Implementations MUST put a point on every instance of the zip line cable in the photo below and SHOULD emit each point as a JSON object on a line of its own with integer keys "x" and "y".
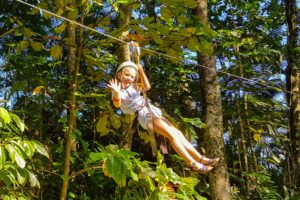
{"x": 156, "y": 52}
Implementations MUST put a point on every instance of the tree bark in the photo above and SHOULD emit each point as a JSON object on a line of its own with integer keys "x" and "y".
{"x": 293, "y": 86}
{"x": 219, "y": 178}
{"x": 244, "y": 149}
{"x": 123, "y": 54}
{"x": 122, "y": 49}
{"x": 73, "y": 64}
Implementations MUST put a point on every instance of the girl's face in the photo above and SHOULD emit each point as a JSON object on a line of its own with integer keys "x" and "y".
{"x": 127, "y": 77}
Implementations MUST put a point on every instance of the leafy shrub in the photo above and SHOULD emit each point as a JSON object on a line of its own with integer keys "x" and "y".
{"x": 17, "y": 175}
{"x": 142, "y": 179}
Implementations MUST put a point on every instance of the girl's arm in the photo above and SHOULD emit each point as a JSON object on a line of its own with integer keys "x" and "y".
{"x": 143, "y": 77}
{"x": 115, "y": 86}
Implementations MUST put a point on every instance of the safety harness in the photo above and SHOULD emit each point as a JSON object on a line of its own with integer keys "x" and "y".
{"x": 135, "y": 52}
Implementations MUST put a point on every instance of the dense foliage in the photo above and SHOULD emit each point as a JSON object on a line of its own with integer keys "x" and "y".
{"x": 249, "y": 39}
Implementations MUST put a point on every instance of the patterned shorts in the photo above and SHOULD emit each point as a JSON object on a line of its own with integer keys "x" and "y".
{"x": 145, "y": 116}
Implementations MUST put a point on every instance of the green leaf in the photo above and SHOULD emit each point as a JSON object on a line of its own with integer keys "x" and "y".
{"x": 166, "y": 12}
{"x": 98, "y": 156}
{"x": 28, "y": 32}
{"x": 28, "y": 148}
{"x": 98, "y": 2}
{"x": 114, "y": 167}
{"x": 195, "y": 122}
{"x": 60, "y": 3}
{"x": 20, "y": 124}
{"x": 275, "y": 158}
{"x": 190, "y": 3}
{"x": 33, "y": 180}
{"x": 37, "y": 46}
{"x": 4, "y": 116}
{"x": 256, "y": 137}
{"x": 19, "y": 158}
{"x": 6, "y": 178}
{"x": 20, "y": 85}
{"x": 115, "y": 121}
{"x": 155, "y": 37}
{"x": 60, "y": 12}
{"x": 56, "y": 52}
{"x": 21, "y": 176}
{"x": 2, "y": 157}
{"x": 172, "y": 52}
{"x": 61, "y": 28}
{"x": 11, "y": 151}
{"x": 205, "y": 47}
{"x": 40, "y": 148}
{"x": 193, "y": 44}
{"x": 101, "y": 125}
{"x": 183, "y": 20}
{"x": 148, "y": 20}
{"x": 73, "y": 13}
{"x": 23, "y": 44}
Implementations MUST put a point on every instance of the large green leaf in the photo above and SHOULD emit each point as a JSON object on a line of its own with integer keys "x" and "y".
{"x": 37, "y": 46}
{"x": 23, "y": 44}
{"x": 40, "y": 148}
{"x": 56, "y": 52}
{"x": 20, "y": 160}
{"x": 60, "y": 3}
{"x": 18, "y": 121}
{"x": 33, "y": 180}
{"x": 4, "y": 116}
{"x": 19, "y": 86}
{"x": 72, "y": 13}
{"x": 101, "y": 126}
{"x": 6, "y": 178}
{"x": 115, "y": 121}
{"x": 28, "y": 32}
{"x": 166, "y": 12}
{"x": 21, "y": 176}
{"x": 114, "y": 167}
{"x": 194, "y": 121}
{"x": 193, "y": 44}
{"x": 2, "y": 157}
{"x": 61, "y": 28}
{"x": 11, "y": 151}
{"x": 98, "y": 156}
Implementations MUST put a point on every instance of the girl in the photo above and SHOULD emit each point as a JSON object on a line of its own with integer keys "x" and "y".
{"x": 127, "y": 96}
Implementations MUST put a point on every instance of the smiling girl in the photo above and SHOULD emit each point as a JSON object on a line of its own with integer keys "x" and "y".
{"x": 127, "y": 96}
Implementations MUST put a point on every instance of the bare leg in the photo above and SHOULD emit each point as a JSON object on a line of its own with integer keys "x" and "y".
{"x": 162, "y": 127}
{"x": 189, "y": 147}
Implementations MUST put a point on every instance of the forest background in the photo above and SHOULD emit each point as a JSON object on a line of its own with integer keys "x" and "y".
{"x": 226, "y": 72}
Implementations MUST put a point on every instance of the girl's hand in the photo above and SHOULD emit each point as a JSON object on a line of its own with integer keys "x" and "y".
{"x": 115, "y": 86}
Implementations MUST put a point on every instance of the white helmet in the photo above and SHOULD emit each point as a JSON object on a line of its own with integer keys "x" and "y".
{"x": 127, "y": 64}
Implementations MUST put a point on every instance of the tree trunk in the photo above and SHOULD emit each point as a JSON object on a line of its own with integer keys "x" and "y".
{"x": 244, "y": 148}
{"x": 293, "y": 99}
{"x": 246, "y": 131}
{"x": 219, "y": 178}
{"x": 123, "y": 54}
{"x": 73, "y": 64}
{"x": 122, "y": 49}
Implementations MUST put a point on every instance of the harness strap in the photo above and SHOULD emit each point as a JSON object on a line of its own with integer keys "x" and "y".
{"x": 151, "y": 131}
{"x": 136, "y": 57}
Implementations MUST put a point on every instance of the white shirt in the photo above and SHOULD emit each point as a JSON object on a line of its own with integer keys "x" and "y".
{"x": 131, "y": 100}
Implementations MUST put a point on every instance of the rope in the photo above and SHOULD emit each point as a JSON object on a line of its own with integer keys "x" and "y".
{"x": 158, "y": 53}
{"x": 71, "y": 21}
